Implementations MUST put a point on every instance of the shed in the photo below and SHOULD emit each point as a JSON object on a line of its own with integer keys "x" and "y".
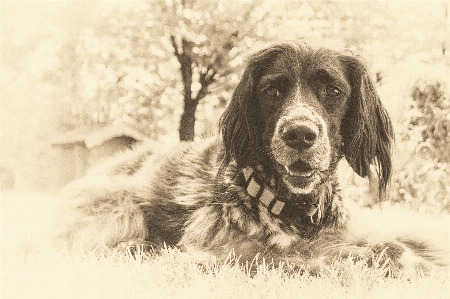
{"x": 83, "y": 147}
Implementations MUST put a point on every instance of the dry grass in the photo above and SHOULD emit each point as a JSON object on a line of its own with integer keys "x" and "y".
{"x": 35, "y": 271}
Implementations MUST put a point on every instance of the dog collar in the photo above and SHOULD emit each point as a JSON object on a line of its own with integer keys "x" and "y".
{"x": 268, "y": 198}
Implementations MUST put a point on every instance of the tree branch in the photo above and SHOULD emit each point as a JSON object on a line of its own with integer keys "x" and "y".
{"x": 175, "y": 47}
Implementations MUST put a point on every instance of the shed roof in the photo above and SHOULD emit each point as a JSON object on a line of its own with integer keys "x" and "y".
{"x": 93, "y": 136}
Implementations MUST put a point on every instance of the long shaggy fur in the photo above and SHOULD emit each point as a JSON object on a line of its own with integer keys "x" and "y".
{"x": 268, "y": 186}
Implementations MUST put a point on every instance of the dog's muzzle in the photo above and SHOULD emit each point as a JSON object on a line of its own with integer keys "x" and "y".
{"x": 301, "y": 147}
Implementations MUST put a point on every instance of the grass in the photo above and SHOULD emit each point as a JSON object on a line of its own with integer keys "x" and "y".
{"x": 36, "y": 271}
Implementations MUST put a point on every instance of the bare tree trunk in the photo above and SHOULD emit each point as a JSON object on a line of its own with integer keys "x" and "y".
{"x": 187, "y": 122}
{"x": 183, "y": 54}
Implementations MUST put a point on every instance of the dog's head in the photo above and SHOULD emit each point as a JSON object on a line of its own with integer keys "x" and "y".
{"x": 298, "y": 110}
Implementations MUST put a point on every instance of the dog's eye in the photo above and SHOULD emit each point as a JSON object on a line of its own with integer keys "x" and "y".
{"x": 273, "y": 92}
{"x": 332, "y": 91}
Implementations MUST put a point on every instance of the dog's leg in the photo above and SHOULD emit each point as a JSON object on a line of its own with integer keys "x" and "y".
{"x": 405, "y": 257}
{"x": 398, "y": 257}
{"x": 99, "y": 212}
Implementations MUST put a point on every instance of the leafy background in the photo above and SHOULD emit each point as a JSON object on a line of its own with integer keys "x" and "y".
{"x": 67, "y": 64}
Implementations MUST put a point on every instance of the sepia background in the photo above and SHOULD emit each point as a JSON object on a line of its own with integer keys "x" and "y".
{"x": 82, "y": 80}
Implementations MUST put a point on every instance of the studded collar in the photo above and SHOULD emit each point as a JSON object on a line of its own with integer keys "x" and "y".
{"x": 267, "y": 196}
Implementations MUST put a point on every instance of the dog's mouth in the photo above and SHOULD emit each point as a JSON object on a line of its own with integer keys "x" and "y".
{"x": 299, "y": 176}
{"x": 299, "y": 169}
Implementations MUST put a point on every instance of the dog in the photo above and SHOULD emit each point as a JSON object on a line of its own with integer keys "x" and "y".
{"x": 268, "y": 186}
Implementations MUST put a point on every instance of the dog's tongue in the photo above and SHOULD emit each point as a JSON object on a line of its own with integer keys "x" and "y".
{"x": 299, "y": 169}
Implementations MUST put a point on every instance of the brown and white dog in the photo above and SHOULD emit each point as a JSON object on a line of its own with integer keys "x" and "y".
{"x": 268, "y": 186}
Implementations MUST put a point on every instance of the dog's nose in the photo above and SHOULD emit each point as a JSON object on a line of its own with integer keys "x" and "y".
{"x": 300, "y": 136}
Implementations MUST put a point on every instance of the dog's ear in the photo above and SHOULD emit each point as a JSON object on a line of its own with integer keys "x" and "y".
{"x": 239, "y": 124}
{"x": 366, "y": 129}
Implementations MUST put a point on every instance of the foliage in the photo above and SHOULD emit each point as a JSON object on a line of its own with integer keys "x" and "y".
{"x": 207, "y": 38}
{"x": 432, "y": 119}
{"x": 148, "y": 63}
{"x": 139, "y": 63}
{"x": 116, "y": 71}
{"x": 104, "y": 62}
{"x": 423, "y": 180}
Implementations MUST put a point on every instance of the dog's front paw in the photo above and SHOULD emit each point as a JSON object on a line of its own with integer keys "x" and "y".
{"x": 399, "y": 260}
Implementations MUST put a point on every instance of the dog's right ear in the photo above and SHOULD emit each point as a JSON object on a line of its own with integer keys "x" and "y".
{"x": 239, "y": 122}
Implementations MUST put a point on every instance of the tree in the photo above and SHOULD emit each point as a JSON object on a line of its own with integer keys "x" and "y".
{"x": 207, "y": 37}
{"x": 117, "y": 71}
{"x": 140, "y": 60}
{"x": 126, "y": 63}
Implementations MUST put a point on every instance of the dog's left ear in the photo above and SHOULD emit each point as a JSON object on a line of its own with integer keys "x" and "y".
{"x": 366, "y": 130}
